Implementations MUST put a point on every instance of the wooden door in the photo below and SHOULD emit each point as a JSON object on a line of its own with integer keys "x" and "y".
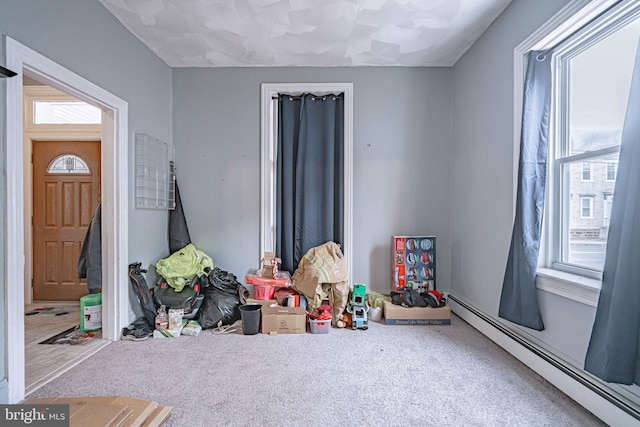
{"x": 66, "y": 192}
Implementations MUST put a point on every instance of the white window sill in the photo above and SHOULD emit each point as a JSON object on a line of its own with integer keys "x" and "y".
{"x": 577, "y": 288}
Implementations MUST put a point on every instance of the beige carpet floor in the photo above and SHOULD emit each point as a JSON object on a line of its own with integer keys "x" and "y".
{"x": 384, "y": 376}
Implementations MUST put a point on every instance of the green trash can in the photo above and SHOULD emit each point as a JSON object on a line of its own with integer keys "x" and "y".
{"x": 91, "y": 312}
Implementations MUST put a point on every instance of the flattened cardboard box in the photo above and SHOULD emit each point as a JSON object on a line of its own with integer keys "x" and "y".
{"x": 110, "y": 411}
{"x": 284, "y": 320}
{"x": 399, "y": 315}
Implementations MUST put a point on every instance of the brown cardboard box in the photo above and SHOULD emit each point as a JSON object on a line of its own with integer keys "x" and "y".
{"x": 262, "y": 302}
{"x": 270, "y": 264}
{"x": 399, "y": 315}
{"x": 284, "y": 320}
{"x": 110, "y": 411}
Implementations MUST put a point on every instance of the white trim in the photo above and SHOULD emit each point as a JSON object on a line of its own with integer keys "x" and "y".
{"x": 267, "y": 184}
{"x": 571, "y": 17}
{"x": 577, "y": 288}
{"x": 592, "y": 401}
{"x": 24, "y": 60}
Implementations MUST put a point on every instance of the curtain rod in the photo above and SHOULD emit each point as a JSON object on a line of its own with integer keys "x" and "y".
{"x": 300, "y": 96}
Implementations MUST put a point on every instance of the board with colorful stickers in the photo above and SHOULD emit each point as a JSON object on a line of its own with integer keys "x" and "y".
{"x": 414, "y": 262}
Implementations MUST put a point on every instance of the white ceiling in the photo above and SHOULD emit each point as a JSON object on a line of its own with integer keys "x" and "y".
{"x": 326, "y": 33}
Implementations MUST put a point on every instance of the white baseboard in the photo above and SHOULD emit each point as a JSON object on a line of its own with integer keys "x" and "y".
{"x": 580, "y": 386}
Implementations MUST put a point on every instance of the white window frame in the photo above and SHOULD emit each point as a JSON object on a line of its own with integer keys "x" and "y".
{"x": 575, "y": 15}
{"x": 268, "y": 141}
{"x": 589, "y": 200}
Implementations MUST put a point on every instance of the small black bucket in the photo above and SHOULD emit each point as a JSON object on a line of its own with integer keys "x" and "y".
{"x": 250, "y": 315}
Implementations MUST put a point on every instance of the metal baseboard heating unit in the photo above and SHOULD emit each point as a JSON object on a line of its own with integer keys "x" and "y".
{"x": 593, "y": 394}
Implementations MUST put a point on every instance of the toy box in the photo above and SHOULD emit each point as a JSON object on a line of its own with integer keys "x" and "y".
{"x": 318, "y": 326}
{"x": 399, "y": 315}
{"x": 414, "y": 262}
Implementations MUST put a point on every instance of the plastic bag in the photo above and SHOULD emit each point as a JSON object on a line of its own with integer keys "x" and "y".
{"x": 222, "y": 300}
{"x": 181, "y": 267}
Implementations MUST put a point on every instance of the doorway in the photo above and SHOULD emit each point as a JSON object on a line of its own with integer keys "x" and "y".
{"x": 62, "y": 146}
{"x": 114, "y": 179}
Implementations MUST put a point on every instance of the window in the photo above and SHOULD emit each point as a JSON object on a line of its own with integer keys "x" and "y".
{"x": 586, "y": 205}
{"x": 612, "y": 170}
{"x": 65, "y": 112}
{"x": 268, "y": 140}
{"x": 68, "y": 163}
{"x": 592, "y": 75}
{"x": 586, "y": 171}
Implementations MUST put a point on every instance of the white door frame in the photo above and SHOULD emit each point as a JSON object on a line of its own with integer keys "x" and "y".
{"x": 268, "y": 118}
{"x": 114, "y": 153}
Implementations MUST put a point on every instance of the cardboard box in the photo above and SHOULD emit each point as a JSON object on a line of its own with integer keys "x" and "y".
{"x": 284, "y": 320}
{"x": 262, "y": 302}
{"x": 414, "y": 263}
{"x": 110, "y": 411}
{"x": 399, "y": 315}
{"x": 270, "y": 264}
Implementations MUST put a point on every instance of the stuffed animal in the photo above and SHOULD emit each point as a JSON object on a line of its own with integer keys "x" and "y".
{"x": 345, "y": 321}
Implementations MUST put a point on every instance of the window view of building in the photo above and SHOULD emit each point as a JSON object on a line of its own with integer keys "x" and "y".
{"x": 591, "y": 88}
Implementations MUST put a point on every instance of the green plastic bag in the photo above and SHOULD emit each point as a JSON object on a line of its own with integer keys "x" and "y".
{"x": 182, "y": 266}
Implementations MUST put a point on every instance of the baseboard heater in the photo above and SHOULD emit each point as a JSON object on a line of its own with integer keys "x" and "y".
{"x": 575, "y": 374}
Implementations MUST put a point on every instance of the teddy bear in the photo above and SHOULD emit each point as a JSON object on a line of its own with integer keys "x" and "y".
{"x": 345, "y": 321}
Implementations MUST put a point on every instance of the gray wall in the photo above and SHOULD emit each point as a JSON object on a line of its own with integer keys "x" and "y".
{"x": 483, "y": 177}
{"x": 401, "y": 160}
{"x": 85, "y": 38}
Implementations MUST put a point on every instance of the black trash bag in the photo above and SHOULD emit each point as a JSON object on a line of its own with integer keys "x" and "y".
{"x": 222, "y": 299}
{"x": 141, "y": 289}
{"x": 223, "y": 281}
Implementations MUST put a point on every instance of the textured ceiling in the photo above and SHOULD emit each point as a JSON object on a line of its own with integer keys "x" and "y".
{"x": 255, "y": 33}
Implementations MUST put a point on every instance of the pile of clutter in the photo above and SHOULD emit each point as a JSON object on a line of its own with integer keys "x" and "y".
{"x": 190, "y": 295}
{"x": 320, "y": 285}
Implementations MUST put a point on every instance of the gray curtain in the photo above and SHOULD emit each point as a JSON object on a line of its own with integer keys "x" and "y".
{"x": 519, "y": 300}
{"x": 178, "y": 231}
{"x": 613, "y": 353}
{"x": 310, "y": 175}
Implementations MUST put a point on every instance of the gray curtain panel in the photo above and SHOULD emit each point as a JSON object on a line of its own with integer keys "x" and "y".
{"x": 519, "y": 300}
{"x": 310, "y": 175}
{"x": 178, "y": 231}
{"x": 613, "y": 353}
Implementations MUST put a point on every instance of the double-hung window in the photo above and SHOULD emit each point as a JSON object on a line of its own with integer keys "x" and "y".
{"x": 592, "y": 72}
